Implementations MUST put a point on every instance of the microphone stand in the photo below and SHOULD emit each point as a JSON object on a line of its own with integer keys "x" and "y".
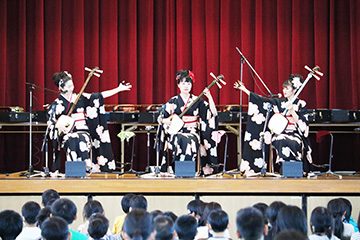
{"x": 31, "y": 172}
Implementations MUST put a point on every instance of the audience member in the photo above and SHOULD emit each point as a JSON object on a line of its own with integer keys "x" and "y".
{"x": 337, "y": 208}
{"x": 48, "y": 197}
{"x": 348, "y": 218}
{"x": 66, "y": 209}
{"x": 164, "y": 228}
{"x": 196, "y": 209}
{"x": 271, "y": 215}
{"x": 170, "y": 214}
{"x": 356, "y": 235}
{"x": 119, "y": 221}
{"x": 43, "y": 214}
{"x": 138, "y": 201}
{"x": 30, "y": 231}
{"x": 90, "y": 207}
{"x": 11, "y": 224}
{"x": 203, "y": 231}
{"x": 291, "y": 218}
{"x": 186, "y": 227}
{"x": 55, "y": 228}
{"x": 322, "y": 225}
{"x": 218, "y": 222}
{"x": 290, "y": 235}
{"x": 137, "y": 225}
{"x": 250, "y": 224}
{"x": 98, "y": 227}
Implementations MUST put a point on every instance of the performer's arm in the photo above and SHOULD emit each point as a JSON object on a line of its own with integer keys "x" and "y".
{"x": 212, "y": 105}
{"x": 108, "y": 93}
{"x": 122, "y": 87}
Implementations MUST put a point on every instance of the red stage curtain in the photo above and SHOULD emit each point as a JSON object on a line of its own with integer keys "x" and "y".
{"x": 146, "y": 41}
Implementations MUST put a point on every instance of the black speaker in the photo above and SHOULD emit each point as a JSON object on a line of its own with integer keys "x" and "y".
{"x": 292, "y": 169}
{"x": 185, "y": 168}
{"x": 75, "y": 169}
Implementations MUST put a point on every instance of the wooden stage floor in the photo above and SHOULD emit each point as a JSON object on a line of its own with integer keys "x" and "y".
{"x": 220, "y": 185}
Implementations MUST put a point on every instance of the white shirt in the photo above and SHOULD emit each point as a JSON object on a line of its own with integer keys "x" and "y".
{"x": 29, "y": 233}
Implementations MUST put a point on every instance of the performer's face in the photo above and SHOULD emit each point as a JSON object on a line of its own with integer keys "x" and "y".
{"x": 185, "y": 87}
{"x": 288, "y": 91}
{"x": 68, "y": 87}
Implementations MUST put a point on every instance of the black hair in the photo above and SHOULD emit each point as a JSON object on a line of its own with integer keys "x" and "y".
{"x": 337, "y": 208}
{"x": 91, "y": 207}
{"x": 290, "y": 234}
{"x": 64, "y": 208}
{"x": 60, "y": 78}
{"x": 196, "y": 206}
{"x": 211, "y": 206}
{"x": 164, "y": 227}
{"x": 49, "y": 196}
{"x": 186, "y": 227}
{"x": 154, "y": 214}
{"x": 291, "y": 217}
{"x": 262, "y": 208}
{"x": 98, "y": 226}
{"x": 137, "y": 224}
{"x": 321, "y": 222}
{"x": 273, "y": 210}
{"x": 289, "y": 81}
{"x": 43, "y": 214}
{"x": 218, "y": 220}
{"x": 11, "y": 224}
{"x": 125, "y": 202}
{"x": 55, "y": 228}
{"x": 184, "y": 76}
{"x": 250, "y": 223}
{"x": 170, "y": 214}
{"x": 29, "y": 211}
{"x": 348, "y": 209}
{"x": 138, "y": 201}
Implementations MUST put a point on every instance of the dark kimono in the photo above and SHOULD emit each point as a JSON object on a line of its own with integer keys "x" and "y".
{"x": 291, "y": 145}
{"x": 199, "y": 129}
{"x": 89, "y": 141}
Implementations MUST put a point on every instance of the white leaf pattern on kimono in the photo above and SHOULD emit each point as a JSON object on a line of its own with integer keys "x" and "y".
{"x": 247, "y": 136}
{"x": 83, "y": 147}
{"x": 96, "y": 143}
{"x": 207, "y": 145}
{"x": 213, "y": 152}
{"x": 182, "y": 157}
{"x": 188, "y": 150}
{"x": 267, "y": 137}
{"x": 111, "y": 165}
{"x": 255, "y": 144}
{"x": 212, "y": 123}
{"x": 258, "y": 118}
{"x": 286, "y": 151}
{"x": 96, "y": 103}
{"x": 91, "y": 112}
{"x": 59, "y": 109}
{"x": 259, "y": 162}
{"x": 102, "y": 160}
{"x": 252, "y": 109}
{"x": 73, "y": 155}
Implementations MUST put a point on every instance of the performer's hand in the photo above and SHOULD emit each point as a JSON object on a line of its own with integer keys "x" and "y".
{"x": 124, "y": 86}
{"x": 240, "y": 85}
{"x": 207, "y": 93}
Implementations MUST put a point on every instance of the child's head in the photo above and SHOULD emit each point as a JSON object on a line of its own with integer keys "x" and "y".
{"x": 29, "y": 211}
{"x": 98, "y": 226}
